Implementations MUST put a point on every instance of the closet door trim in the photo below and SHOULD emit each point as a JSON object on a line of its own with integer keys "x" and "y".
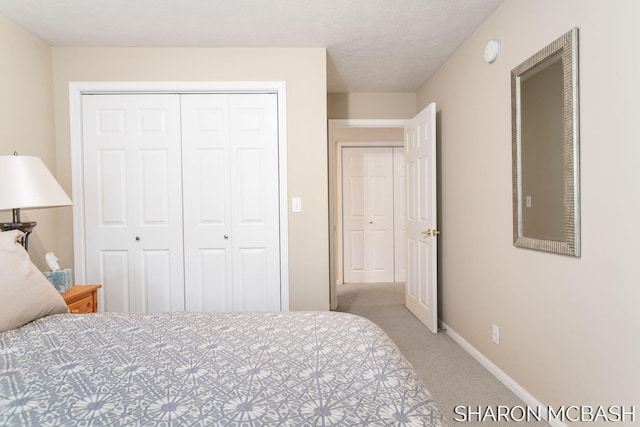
{"x": 78, "y": 89}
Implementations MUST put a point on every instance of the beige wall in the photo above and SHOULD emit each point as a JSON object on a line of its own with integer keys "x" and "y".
{"x": 399, "y": 105}
{"x": 303, "y": 70}
{"x": 569, "y": 326}
{"x": 26, "y": 126}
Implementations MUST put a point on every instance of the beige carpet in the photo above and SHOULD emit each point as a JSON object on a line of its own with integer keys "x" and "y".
{"x": 452, "y": 376}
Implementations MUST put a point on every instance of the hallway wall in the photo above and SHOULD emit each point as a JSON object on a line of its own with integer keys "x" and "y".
{"x": 569, "y": 326}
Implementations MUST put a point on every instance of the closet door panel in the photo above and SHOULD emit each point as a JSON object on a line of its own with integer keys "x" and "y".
{"x": 207, "y": 203}
{"x": 132, "y": 199}
{"x": 210, "y": 168}
{"x": 114, "y": 267}
{"x": 154, "y": 188}
{"x": 355, "y": 207}
{"x": 155, "y": 281}
{"x": 380, "y": 196}
{"x": 231, "y": 208}
{"x": 250, "y": 208}
{"x": 212, "y": 274}
{"x": 254, "y": 197}
{"x": 251, "y": 287}
{"x": 112, "y": 188}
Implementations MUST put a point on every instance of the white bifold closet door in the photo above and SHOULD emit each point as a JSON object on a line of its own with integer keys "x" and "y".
{"x": 368, "y": 214}
{"x": 231, "y": 213}
{"x": 181, "y": 201}
{"x": 133, "y": 200}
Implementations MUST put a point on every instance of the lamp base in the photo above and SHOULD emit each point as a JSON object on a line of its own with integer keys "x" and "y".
{"x": 25, "y": 227}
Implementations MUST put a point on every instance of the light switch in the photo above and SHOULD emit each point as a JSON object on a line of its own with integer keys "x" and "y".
{"x": 296, "y": 204}
{"x": 528, "y": 201}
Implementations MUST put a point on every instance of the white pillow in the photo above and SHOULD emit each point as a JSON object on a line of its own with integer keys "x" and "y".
{"x": 25, "y": 294}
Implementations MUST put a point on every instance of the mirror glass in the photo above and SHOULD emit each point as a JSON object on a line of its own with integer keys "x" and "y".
{"x": 544, "y": 93}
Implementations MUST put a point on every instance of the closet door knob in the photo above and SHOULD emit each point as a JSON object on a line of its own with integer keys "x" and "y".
{"x": 226, "y": 236}
{"x": 137, "y": 238}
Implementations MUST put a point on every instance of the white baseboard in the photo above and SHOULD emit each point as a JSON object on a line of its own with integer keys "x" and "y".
{"x": 505, "y": 379}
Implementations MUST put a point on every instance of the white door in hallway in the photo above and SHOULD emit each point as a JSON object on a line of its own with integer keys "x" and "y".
{"x": 421, "y": 296}
{"x": 368, "y": 212}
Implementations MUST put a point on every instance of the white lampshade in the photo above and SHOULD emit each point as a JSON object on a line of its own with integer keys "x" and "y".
{"x": 25, "y": 182}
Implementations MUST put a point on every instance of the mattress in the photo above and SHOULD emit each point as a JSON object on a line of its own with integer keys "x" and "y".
{"x": 208, "y": 369}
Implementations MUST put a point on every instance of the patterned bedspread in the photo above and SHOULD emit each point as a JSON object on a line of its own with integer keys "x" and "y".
{"x": 208, "y": 369}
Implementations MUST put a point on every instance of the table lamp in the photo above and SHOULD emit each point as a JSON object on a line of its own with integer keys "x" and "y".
{"x": 26, "y": 183}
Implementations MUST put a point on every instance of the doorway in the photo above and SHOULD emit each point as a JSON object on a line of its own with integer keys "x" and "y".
{"x": 354, "y": 133}
{"x": 419, "y": 136}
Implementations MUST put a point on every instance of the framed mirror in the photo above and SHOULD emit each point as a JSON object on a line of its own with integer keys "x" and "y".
{"x": 545, "y": 146}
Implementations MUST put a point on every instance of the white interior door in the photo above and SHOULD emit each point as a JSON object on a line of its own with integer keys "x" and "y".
{"x": 132, "y": 200}
{"x": 231, "y": 202}
{"x": 421, "y": 296}
{"x": 368, "y": 212}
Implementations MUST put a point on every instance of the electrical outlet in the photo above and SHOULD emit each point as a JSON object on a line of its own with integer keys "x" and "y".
{"x": 495, "y": 334}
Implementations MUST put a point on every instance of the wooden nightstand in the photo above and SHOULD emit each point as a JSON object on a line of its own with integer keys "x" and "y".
{"x": 82, "y": 299}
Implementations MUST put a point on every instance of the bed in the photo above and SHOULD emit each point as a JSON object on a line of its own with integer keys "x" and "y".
{"x": 203, "y": 369}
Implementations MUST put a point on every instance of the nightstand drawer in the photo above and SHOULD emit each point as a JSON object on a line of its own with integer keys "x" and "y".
{"x": 84, "y": 305}
{"x": 82, "y": 299}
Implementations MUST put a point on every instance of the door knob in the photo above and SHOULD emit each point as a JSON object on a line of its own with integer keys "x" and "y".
{"x": 226, "y": 236}
{"x": 429, "y": 232}
{"x": 137, "y": 238}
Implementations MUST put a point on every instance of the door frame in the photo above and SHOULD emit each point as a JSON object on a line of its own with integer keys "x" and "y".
{"x": 78, "y": 89}
{"x": 333, "y": 167}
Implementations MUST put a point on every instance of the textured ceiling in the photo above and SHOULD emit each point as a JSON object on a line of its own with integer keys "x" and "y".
{"x": 372, "y": 45}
